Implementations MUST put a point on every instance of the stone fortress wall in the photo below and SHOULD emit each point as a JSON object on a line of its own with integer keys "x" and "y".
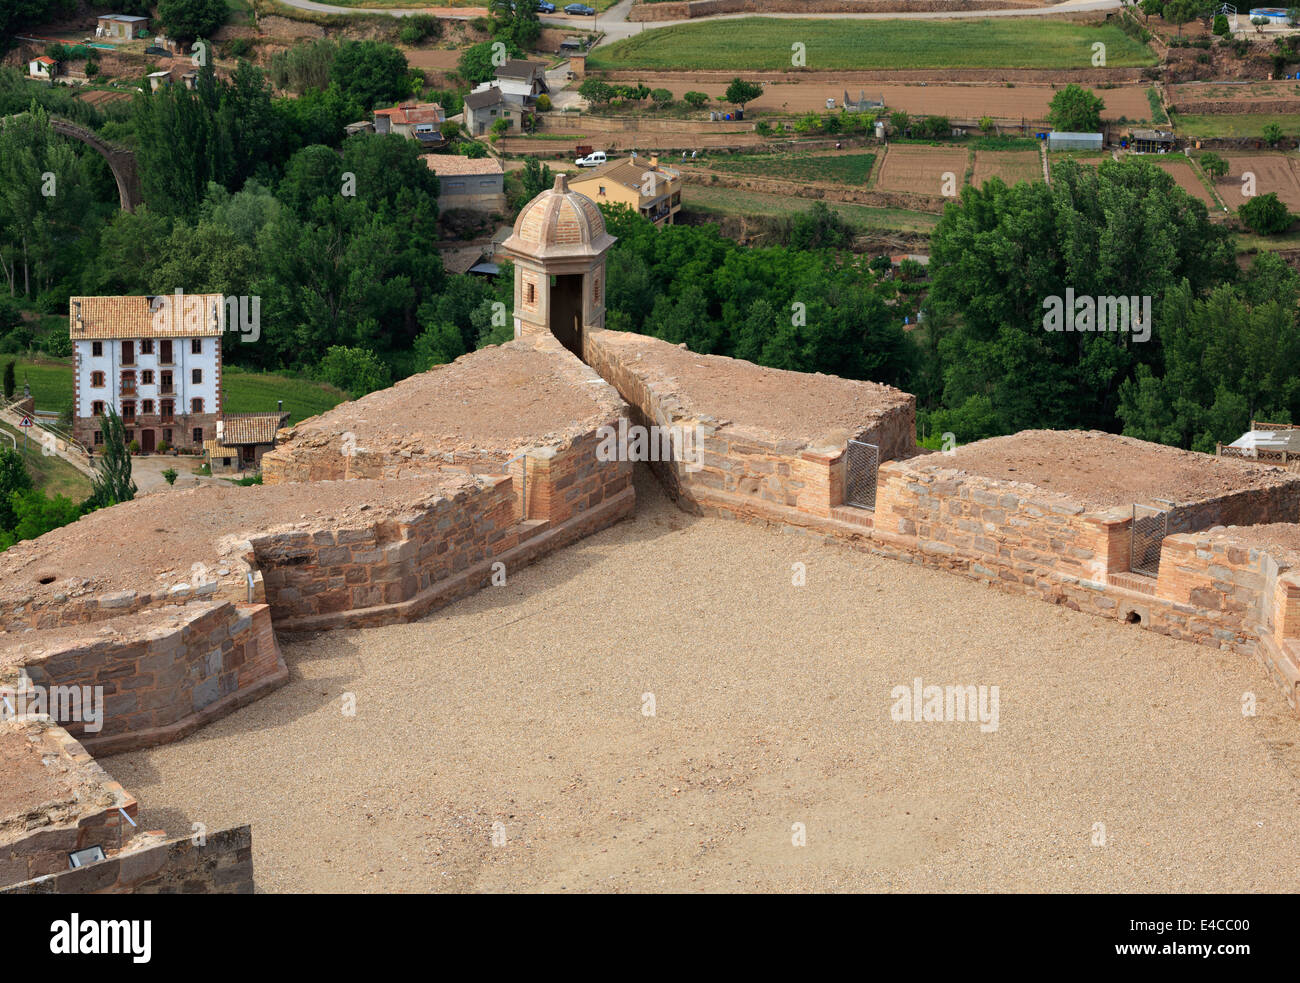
{"x": 389, "y": 506}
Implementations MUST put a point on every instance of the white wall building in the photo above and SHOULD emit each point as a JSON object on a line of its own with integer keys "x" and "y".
{"x": 155, "y": 360}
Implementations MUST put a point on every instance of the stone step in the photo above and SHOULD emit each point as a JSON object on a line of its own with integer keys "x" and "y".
{"x": 856, "y": 517}
{"x": 1136, "y": 582}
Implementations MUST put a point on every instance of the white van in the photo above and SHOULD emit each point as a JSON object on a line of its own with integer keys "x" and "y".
{"x": 593, "y": 159}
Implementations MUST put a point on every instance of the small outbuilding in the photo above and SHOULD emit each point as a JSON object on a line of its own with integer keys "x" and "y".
{"x": 42, "y": 68}
{"x": 1152, "y": 141}
{"x": 242, "y": 439}
{"x": 1063, "y": 140}
{"x": 122, "y": 27}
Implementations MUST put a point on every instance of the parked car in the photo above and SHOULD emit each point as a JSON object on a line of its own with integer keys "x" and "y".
{"x": 593, "y": 159}
{"x": 545, "y": 7}
{"x": 580, "y": 8}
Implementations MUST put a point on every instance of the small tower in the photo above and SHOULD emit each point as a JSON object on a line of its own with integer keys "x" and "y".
{"x": 558, "y": 247}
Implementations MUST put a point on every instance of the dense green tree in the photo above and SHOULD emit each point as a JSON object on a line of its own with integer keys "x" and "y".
{"x": 1000, "y": 255}
{"x": 516, "y": 23}
{"x": 9, "y": 382}
{"x": 305, "y": 67}
{"x": 46, "y": 203}
{"x": 354, "y": 370}
{"x": 17, "y": 14}
{"x": 1075, "y": 109}
{"x": 740, "y": 92}
{"x": 1226, "y": 358}
{"x": 371, "y": 73}
{"x": 35, "y": 515}
{"x": 14, "y": 479}
{"x": 1213, "y": 165}
{"x": 131, "y": 245}
{"x": 190, "y": 19}
{"x": 1266, "y": 214}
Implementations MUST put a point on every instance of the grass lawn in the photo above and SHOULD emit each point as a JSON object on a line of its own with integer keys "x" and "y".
{"x": 245, "y": 392}
{"x": 851, "y": 169}
{"x": 51, "y": 380}
{"x": 756, "y": 43}
{"x": 1235, "y": 125}
{"x": 729, "y": 201}
{"x": 51, "y": 475}
{"x": 257, "y": 392}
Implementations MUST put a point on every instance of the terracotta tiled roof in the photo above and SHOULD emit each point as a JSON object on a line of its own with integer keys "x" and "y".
{"x": 250, "y": 428}
{"x": 630, "y": 172}
{"x": 195, "y": 316}
{"x": 45, "y": 61}
{"x": 454, "y": 164}
{"x": 214, "y": 449}
{"x": 425, "y": 112}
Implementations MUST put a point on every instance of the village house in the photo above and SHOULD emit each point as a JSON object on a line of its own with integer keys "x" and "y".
{"x": 463, "y": 182}
{"x": 42, "y": 68}
{"x": 487, "y": 104}
{"x": 521, "y": 81}
{"x": 242, "y": 439}
{"x": 641, "y": 183}
{"x": 121, "y": 27}
{"x": 415, "y": 121}
{"x": 156, "y": 361}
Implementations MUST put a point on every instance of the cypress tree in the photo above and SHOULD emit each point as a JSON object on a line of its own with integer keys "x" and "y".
{"x": 113, "y": 484}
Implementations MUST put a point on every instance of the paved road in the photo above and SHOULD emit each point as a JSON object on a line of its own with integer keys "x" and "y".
{"x": 615, "y": 24}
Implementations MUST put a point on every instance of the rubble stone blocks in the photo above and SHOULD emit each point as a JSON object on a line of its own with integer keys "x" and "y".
{"x": 153, "y": 864}
{"x": 54, "y": 799}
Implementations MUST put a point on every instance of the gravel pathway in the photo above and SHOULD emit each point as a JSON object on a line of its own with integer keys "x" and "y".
{"x": 523, "y": 706}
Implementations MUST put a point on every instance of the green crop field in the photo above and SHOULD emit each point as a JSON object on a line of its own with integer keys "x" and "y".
{"x": 756, "y": 43}
{"x": 255, "y": 392}
{"x": 851, "y": 169}
{"x": 245, "y": 392}
{"x": 1234, "y": 125}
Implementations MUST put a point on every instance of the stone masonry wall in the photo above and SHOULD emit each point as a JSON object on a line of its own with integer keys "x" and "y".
{"x": 399, "y": 570}
{"x": 1005, "y": 530}
{"x": 166, "y": 681}
{"x": 330, "y": 571}
{"x": 1248, "y": 507}
{"x": 222, "y": 865}
{"x": 742, "y": 472}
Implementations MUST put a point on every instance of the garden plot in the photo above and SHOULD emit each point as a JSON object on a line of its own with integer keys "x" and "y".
{"x": 1187, "y": 178}
{"x": 1273, "y": 172}
{"x": 921, "y": 170}
{"x": 1012, "y": 166}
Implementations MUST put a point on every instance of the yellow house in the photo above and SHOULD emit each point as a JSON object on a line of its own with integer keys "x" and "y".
{"x": 638, "y": 182}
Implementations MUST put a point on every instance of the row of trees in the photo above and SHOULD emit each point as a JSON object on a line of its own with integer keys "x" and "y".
{"x": 1222, "y": 346}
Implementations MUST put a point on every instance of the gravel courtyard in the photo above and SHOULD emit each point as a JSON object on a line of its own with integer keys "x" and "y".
{"x": 523, "y": 705}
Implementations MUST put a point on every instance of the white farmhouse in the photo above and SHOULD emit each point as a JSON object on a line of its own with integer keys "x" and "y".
{"x": 155, "y": 360}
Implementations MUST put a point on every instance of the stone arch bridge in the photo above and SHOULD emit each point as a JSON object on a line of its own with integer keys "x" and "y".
{"x": 121, "y": 161}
